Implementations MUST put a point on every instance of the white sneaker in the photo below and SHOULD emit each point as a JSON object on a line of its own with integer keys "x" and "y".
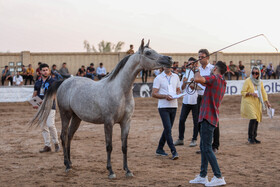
{"x": 216, "y": 182}
{"x": 193, "y": 143}
{"x": 199, "y": 180}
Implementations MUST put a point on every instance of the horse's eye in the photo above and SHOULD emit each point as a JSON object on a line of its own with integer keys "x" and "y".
{"x": 148, "y": 53}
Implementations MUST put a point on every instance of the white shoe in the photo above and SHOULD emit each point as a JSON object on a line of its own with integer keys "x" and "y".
{"x": 193, "y": 143}
{"x": 216, "y": 182}
{"x": 199, "y": 180}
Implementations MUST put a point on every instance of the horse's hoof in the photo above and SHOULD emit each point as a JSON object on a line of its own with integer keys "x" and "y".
{"x": 129, "y": 174}
{"x": 112, "y": 176}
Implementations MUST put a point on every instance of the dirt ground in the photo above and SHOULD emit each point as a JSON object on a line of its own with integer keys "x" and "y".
{"x": 241, "y": 164}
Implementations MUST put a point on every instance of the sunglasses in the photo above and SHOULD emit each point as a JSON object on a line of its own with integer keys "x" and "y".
{"x": 255, "y": 73}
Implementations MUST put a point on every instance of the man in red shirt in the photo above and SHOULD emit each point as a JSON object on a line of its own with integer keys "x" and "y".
{"x": 209, "y": 118}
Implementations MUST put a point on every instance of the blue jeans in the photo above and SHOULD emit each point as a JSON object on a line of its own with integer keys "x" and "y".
{"x": 184, "y": 115}
{"x": 90, "y": 75}
{"x": 207, "y": 154}
{"x": 167, "y": 116}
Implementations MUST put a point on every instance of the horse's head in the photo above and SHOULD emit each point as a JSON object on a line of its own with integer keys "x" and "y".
{"x": 150, "y": 59}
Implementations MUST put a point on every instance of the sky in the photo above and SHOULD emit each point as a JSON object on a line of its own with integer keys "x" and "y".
{"x": 172, "y": 26}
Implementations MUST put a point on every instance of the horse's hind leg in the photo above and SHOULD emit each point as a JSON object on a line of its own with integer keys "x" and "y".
{"x": 108, "y": 128}
{"x": 124, "y": 134}
{"x": 65, "y": 119}
{"x": 74, "y": 125}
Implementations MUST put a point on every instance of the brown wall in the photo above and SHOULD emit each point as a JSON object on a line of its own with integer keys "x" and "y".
{"x": 75, "y": 60}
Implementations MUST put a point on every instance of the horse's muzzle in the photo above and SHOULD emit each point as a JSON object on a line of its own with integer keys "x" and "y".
{"x": 166, "y": 61}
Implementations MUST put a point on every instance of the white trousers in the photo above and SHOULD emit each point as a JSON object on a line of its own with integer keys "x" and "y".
{"x": 49, "y": 130}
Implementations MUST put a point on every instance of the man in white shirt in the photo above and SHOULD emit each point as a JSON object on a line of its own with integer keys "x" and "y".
{"x": 18, "y": 80}
{"x": 189, "y": 104}
{"x": 205, "y": 70}
{"x": 165, "y": 85}
{"x": 100, "y": 71}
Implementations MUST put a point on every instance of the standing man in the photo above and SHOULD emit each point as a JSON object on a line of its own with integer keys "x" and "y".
{"x": 189, "y": 104}
{"x": 48, "y": 129}
{"x": 209, "y": 118}
{"x": 165, "y": 85}
{"x": 205, "y": 70}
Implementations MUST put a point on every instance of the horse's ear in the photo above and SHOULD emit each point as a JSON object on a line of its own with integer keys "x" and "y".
{"x": 141, "y": 48}
{"x": 147, "y": 45}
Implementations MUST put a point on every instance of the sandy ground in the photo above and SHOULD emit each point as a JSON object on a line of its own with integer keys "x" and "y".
{"x": 241, "y": 164}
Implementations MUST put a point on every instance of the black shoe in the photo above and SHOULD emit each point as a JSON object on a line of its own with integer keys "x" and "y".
{"x": 198, "y": 152}
{"x": 250, "y": 141}
{"x": 175, "y": 155}
{"x": 161, "y": 153}
{"x": 257, "y": 141}
{"x": 45, "y": 149}
{"x": 56, "y": 147}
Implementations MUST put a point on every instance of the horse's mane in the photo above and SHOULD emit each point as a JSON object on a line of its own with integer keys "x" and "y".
{"x": 111, "y": 76}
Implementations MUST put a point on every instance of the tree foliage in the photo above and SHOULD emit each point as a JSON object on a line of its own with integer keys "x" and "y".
{"x": 104, "y": 47}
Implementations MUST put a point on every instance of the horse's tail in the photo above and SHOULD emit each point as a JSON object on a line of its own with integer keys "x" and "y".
{"x": 43, "y": 112}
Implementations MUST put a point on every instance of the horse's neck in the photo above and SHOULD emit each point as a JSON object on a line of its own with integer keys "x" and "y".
{"x": 128, "y": 74}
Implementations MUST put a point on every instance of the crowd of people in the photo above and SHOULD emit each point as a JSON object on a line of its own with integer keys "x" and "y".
{"x": 29, "y": 75}
{"x": 204, "y": 101}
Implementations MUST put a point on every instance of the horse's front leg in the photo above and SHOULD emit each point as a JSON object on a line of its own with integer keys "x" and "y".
{"x": 125, "y": 126}
{"x": 108, "y": 128}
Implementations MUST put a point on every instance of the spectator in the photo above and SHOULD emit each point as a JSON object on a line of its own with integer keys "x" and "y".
{"x": 263, "y": 72}
{"x": 101, "y": 71}
{"x": 270, "y": 71}
{"x": 91, "y": 71}
{"x": 38, "y": 73}
{"x": 18, "y": 80}
{"x": 175, "y": 67}
{"x": 183, "y": 68}
{"x": 64, "y": 71}
{"x": 55, "y": 73}
{"x": 233, "y": 69}
{"x": 82, "y": 71}
{"x": 23, "y": 72}
{"x": 242, "y": 70}
{"x": 29, "y": 74}
{"x": 278, "y": 71}
{"x": 214, "y": 63}
{"x": 158, "y": 71}
{"x": 130, "y": 51}
{"x": 6, "y": 75}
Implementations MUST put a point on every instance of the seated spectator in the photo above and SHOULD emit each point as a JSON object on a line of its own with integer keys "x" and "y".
{"x": 263, "y": 72}
{"x": 101, "y": 71}
{"x": 242, "y": 70}
{"x": 6, "y": 75}
{"x": 130, "y": 51}
{"x": 55, "y": 73}
{"x": 278, "y": 71}
{"x": 90, "y": 71}
{"x": 29, "y": 74}
{"x": 64, "y": 71}
{"x": 270, "y": 71}
{"x": 18, "y": 80}
{"x": 23, "y": 72}
{"x": 183, "y": 68}
{"x": 81, "y": 72}
{"x": 38, "y": 72}
{"x": 233, "y": 70}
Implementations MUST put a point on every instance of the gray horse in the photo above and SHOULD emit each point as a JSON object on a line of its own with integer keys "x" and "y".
{"x": 107, "y": 101}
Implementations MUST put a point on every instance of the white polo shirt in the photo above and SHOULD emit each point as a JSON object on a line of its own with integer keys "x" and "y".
{"x": 167, "y": 84}
{"x": 204, "y": 72}
{"x": 189, "y": 99}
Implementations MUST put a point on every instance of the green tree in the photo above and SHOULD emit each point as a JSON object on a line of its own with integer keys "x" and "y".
{"x": 104, "y": 47}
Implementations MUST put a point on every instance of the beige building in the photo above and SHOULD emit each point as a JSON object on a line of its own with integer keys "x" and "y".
{"x": 75, "y": 60}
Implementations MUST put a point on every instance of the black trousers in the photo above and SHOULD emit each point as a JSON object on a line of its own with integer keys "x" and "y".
{"x": 29, "y": 77}
{"x": 216, "y": 136}
{"x": 4, "y": 78}
{"x": 253, "y": 129}
{"x": 144, "y": 76}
